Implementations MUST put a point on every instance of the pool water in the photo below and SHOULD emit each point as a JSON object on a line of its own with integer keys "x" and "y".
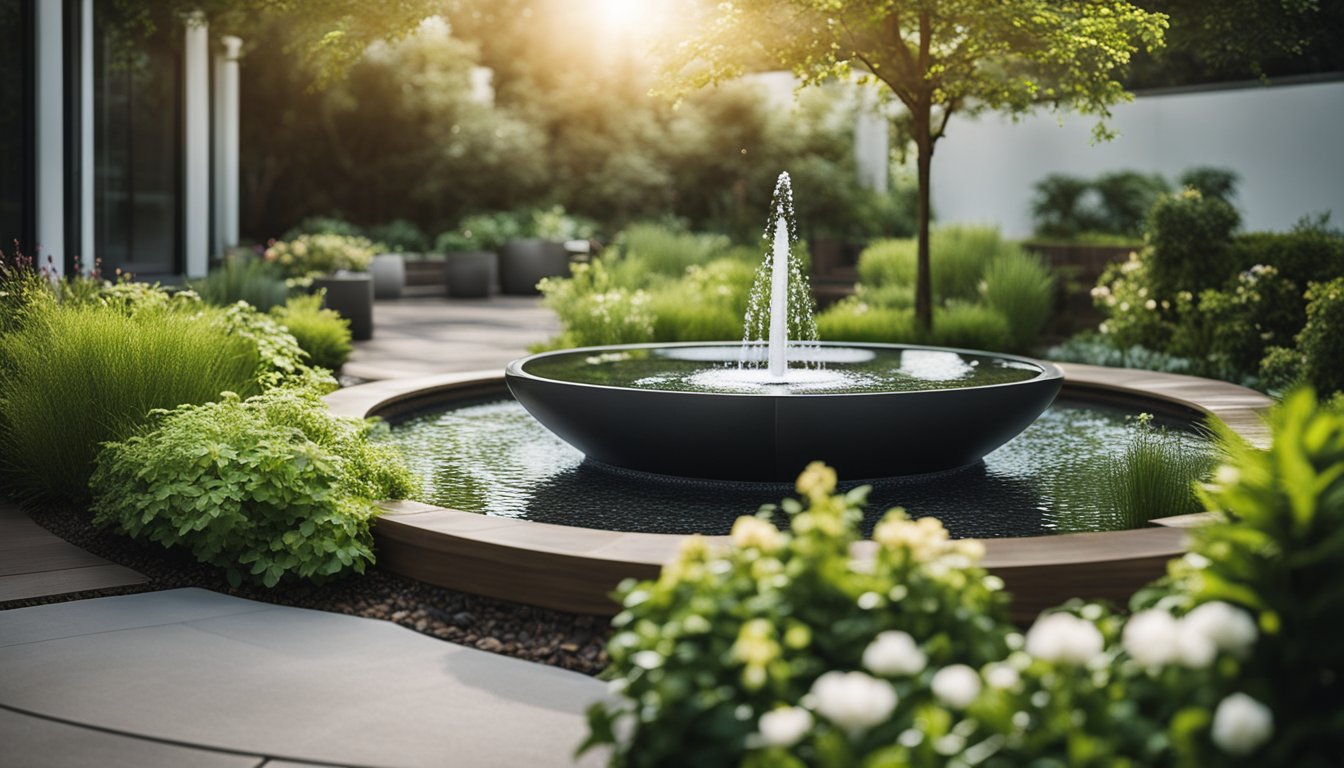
{"x": 493, "y": 458}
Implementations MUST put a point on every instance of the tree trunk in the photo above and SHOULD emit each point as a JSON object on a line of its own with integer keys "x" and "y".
{"x": 923, "y": 161}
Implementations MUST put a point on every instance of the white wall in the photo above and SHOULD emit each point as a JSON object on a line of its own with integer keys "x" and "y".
{"x": 1285, "y": 141}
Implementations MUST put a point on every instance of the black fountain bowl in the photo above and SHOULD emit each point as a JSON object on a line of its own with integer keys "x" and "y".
{"x": 771, "y": 438}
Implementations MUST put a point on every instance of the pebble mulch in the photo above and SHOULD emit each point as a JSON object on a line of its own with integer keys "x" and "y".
{"x": 559, "y": 639}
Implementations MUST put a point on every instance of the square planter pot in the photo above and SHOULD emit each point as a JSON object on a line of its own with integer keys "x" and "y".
{"x": 351, "y": 295}
{"x": 524, "y": 262}
{"x": 470, "y": 274}
{"x": 388, "y": 271}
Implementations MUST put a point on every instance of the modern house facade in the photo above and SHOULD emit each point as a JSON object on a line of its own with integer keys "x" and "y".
{"x": 115, "y": 149}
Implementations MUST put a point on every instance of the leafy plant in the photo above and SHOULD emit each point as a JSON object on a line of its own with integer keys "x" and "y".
{"x": 594, "y": 310}
{"x": 968, "y": 325}
{"x": 1020, "y": 287}
{"x": 266, "y": 488}
{"x": 655, "y": 250}
{"x": 1060, "y": 207}
{"x": 1211, "y": 182}
{"x": 1189, "y": 238}
{"x": 1125, "y": 199}
{"x": 322, "y": 333}
{"x": 308, "y": 255}
{"x": 323, "y": 225}
{"x": 398, "y": 236}
{"x": 1278, "y": 557}
{"x": 76, "y": 376}
{"x": 480, "y": 232}
{"x": 242, "y": 277}
{"x": 854, "y": 319}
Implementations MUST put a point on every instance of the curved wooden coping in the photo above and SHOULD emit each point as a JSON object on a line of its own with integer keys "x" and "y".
{"x": 575, "y": 569}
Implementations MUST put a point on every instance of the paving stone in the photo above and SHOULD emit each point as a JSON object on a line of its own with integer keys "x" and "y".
{"x": 34, "y": 742}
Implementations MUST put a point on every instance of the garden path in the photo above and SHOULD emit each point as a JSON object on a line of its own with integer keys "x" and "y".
{"x": 37, "y": 563}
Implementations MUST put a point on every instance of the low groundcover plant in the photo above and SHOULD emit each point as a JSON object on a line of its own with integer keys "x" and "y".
{"x": 267, "y": 487}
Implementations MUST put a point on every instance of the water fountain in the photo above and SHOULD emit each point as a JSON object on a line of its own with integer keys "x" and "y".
{"x": 761, "y": 410}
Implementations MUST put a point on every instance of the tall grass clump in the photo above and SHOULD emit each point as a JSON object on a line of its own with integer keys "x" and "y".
{"x": 854, "y": 320}
{"x": 958, "y": 257}
{"x": 970, "y": 326}
{"x": 655, "y": 250}
{"x": 1156, "y": 477}
{"x": 322, "y": 333}
{"x": 243, "y": 278}
{"x": 76, "y": 376}
{"x": 1021, "y": 288}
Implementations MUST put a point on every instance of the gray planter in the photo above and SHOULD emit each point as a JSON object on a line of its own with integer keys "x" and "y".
{"x": 351, "y": 295}
{"x": 470, "y": 274}
{"x": 524, "y": 262}
{"x": 388, "y": 271}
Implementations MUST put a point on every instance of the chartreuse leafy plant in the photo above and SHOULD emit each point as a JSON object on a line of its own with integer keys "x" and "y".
{"x": 322, "y": 333}
{"x": 267, "y": 488}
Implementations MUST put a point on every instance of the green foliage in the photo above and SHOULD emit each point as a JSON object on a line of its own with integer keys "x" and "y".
{"x": 1156, "y": 477}
{"x": 854, "y": 319}
{"x": 960, "y": 255}
{"x": 266, "y": 488}
{"x": 398, "y": 236}
{"x": 1126, "y": 198}
{"x": 1322, "y": 338}
{"x": 1189, "y": 238}
{"x": 322, "y": 333}
{"x": 556, "y": 225}
{"x": 1020, "y": 287}
{"x": 241, "y": 277}
{"x": 970, "y": 326}
{"x": 1220, "y": 183}
{"x": 309, "y": 255}
{"x": 74, "y": 377}
{"x": 1278, "y": 556}
{"x": 657, "y": 250}
{"x": 594, "y": 310}
{"x": 727, "y": 634}
{"x": 1068, "y": 207}
{"x": 480, "y": 232}
{"x": 1059, "y": 207}
{"x": 323, "y": 225}
{"x": 24, "y": 290}
{"x": 1092, "y": 348}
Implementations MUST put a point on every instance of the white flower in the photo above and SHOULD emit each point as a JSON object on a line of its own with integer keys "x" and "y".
{"x": 1241, "y": 724}
{"x": 1193, "y": 648}
{"x": 1228, "y": 627}
{"x": 956, "y": 685}
{"x": 1002, "y": 675}
{"x": 783, "y": 727}
{"x": 1150, "y": 637}
{"x": 755, "y": 532}
{"x": 1063, "y": 637}
{"x": 853, "y": 700}
{"x": 894, "y": 653}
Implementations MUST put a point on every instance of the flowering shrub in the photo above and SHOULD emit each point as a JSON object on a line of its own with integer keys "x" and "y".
{"x": 309, "y": 255}
{"x": 811, "y": 648}
{"x": 594, "y": 310}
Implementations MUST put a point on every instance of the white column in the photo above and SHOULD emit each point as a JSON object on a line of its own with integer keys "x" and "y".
{"x": 226, "y": 145}
{"x": 50, "y": 122}
{"x": 87, "y": 164}
{"x": 196, "y": 144}
{"x": 872, "y": 152}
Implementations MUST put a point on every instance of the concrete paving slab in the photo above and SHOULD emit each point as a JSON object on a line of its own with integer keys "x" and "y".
{"x": 34, "y": 742}
{"x": 289, "y": 684}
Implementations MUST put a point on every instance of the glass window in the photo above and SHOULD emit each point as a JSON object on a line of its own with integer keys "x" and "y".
{"x": 138, "y": 137}
{"x": 16, "y": 150}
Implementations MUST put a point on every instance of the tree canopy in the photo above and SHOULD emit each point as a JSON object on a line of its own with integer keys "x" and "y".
{"x": 937, "y": 57}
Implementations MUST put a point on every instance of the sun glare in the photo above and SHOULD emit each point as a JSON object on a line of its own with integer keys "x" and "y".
{"x": 619, "y": 16}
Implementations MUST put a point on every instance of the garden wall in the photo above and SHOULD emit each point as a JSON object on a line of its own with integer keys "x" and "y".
{"x": 1283, "y": 140}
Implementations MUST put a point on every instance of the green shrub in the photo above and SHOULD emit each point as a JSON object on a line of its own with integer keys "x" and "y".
{"x": 398, "y": 236}
{"x": 1060, "y": 208}
{"x": 594, "y": 311}
{"x": 556, "y": 225}
{"x": 1156, "y": 476}
{"x": 1189, "y": 239}
{"x": 1211, "y": 182}
{"x": 886, "y": 296}
{"x": 1091, "y": 348}
{"x": 970, "y": 326}
{"x": 1278, "y": 556}
{"x": 708, "y": 304}
{"x": 480, "y": 232}
{"x": 266, "y": 488}
{"x": 24, "y": 291}
{"x": 1021, "y": 288}
{"x": 1231, "y": 329}
{"x": 958, "y": 257}
{"x": 727, "y": 634}
{"x": 1322, "y": 338}
{"x": 1309, "y": 253}
{"x": 323, "y": 225}
{"x": 1126, "y": 198}
{"x": 77, "y": 376}
{"x": 853, "y": 319}
{"x": 322, "y": 333}
{"x": 655, "y": 249}
{"x": 309, "y": 255}
{"x": 240, "y": 277}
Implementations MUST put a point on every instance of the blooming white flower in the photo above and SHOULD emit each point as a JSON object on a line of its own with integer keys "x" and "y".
{"x": 1150, "y": 637}
{"x": 894, "y": 653}
{"x": 853, "y": 700}
{"x": 1002, "y": 675}
{"x": 956, "y": 685}
{"x": 783, "y": 727}
{"x": 1063, "y": 637}
{"x": 755, "y": 532}
{"x": 1241, "y": 724}
{"x": 1229, "y": 628}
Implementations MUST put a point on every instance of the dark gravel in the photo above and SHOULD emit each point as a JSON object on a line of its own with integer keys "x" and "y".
{"x": 559, "y": 639}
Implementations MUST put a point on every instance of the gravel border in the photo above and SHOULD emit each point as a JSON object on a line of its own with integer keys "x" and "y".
{"x": 569, "y": 641}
